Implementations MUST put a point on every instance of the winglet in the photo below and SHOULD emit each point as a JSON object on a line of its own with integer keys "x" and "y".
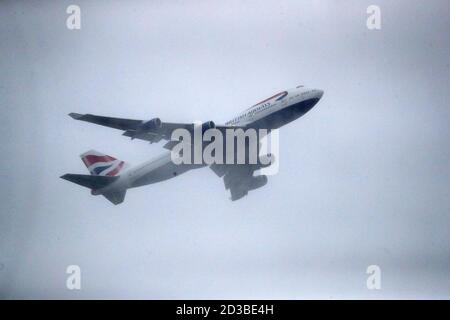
{"x": 76, "y": 116}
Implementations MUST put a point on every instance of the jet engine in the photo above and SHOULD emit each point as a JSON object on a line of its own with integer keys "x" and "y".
{"x": 208, "y": 125}
{"x": 149, "y": 125}
{"x": 205, "y": 126}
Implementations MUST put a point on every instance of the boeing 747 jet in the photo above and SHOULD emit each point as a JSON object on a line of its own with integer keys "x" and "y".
{"x": 111, "y": 177}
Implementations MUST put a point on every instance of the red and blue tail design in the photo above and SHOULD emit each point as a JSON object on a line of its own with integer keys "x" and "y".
{"x": 100, "y": 164}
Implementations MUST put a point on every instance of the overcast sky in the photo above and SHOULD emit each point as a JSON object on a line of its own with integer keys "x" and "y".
{"x": 364, "y": 176}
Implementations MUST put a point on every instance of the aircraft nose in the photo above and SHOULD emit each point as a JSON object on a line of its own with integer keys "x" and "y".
{"x": 319, "y": 93}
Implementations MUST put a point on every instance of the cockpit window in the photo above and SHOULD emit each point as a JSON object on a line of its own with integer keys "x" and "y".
{"x": 300, "y": 86}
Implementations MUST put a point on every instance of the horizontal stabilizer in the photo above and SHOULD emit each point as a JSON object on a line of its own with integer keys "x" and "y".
{"x": 88, "y": 181}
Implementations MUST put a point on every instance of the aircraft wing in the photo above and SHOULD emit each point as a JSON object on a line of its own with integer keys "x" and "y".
{"x": 136, "y": 129}
{"x": 152, "y": 130}
{"x": 239, "y": 179}
{"x": 165, "y": 132}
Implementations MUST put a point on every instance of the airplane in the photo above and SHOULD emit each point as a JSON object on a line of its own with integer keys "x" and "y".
{"x": 111, "y": 177}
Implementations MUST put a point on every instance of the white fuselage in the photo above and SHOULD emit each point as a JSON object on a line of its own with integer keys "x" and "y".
{"x": 274, "y": 104}
{"x": 271, "y": 113}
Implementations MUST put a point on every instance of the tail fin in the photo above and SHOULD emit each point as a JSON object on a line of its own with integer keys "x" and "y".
{"x": 100, "y": 164}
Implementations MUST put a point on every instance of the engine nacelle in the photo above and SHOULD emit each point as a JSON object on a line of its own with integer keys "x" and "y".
{"x": 208, "y": 125}
{"x": 205, "y": 126}
{"x": 152, "y": 124}
{"x": 257, "y": 182}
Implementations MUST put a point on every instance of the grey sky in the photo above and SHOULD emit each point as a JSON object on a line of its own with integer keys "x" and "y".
{"x": 364, "y": 177}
